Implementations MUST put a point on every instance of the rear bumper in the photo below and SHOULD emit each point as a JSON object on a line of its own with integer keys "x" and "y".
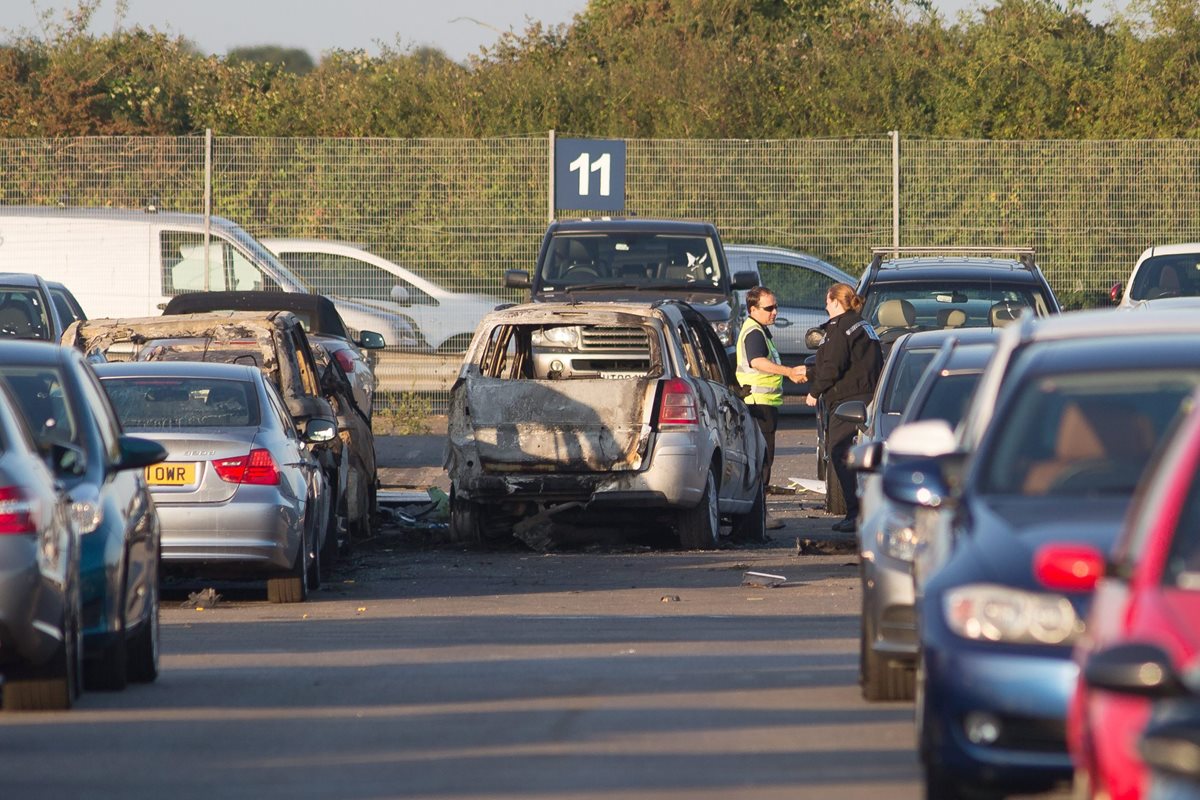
{"x": 252, "y": 533}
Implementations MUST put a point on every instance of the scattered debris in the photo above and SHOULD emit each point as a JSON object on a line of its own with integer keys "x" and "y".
{"x": 670, "y": 598}
{"x": 806, "y": 485}
{"x": 763, "y": 579}
{"x": 205, "y": 598}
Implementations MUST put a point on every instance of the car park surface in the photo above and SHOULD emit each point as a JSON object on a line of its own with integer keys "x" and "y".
{"x": 101, "y": 469}
{"x": 238, "y": 492}
{"x": 572, "y": 413}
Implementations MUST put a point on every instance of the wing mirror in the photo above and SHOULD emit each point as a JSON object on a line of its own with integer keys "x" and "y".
{"x": 746, "y": 279}
{"x": 319, "y": 429}
{"x": 138, "y": 453}
{"x": 854, "y": 411}
{"x": 371, "y": 340}
{"x": 516, "y": 278}
{"x": 1143, "y": 670}
{"x": 865, "y": 457}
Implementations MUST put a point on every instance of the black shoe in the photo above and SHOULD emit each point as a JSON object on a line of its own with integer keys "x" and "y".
{"x": 848, "y": 525}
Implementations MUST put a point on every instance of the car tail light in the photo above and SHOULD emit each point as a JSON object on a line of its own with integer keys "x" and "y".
{"x": 677, "y": 405}
{"x": 257, "y": 468}
{"x": 15, "y": 511}
{"x": 1068, "y": 567}
{"x": 346, "y": 360}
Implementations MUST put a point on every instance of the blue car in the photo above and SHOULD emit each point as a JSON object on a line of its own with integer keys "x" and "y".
{"x": 1000, "y": 590}
{"x": 74, "y": 424}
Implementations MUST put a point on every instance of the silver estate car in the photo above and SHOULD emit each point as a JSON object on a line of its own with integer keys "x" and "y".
{"x": 595, "y": 413}
{"x": 239, "y": 493}
{"x": 41, "y": 645}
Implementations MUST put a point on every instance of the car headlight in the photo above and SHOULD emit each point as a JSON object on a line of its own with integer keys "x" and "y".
{"x": 992, "y": 613}
{"x": 86, "y": 511}
{"x": 561, "y": 337}
{"x": 898, "y": 536}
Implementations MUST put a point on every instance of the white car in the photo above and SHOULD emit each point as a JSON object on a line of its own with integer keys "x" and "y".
{"x": 445, "y": 319}
{"x": 1161, "y": 272}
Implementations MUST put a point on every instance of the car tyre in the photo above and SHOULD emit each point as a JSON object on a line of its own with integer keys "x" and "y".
{"x": 62, "y": 681}
{"x": 752, "y": 526}
{"x": 466, "y": 521}
{"x": 700, "y": 525}
{"x": 882, "y": 678}
{"x": 110, "y": 672}
{"x": 291, "y": 587}
{"x": 144, "y": 645}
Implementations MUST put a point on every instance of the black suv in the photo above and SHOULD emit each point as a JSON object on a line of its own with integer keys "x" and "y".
{"x": 637, "y": 260}
{"x": 936, "y": 288}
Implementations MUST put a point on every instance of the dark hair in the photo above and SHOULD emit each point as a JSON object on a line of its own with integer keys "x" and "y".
{"x": 844, "y": 294}
{"x": 755, "y": 294}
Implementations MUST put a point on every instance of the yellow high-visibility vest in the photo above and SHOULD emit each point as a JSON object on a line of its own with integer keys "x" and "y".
{"x": 765, "y": 388}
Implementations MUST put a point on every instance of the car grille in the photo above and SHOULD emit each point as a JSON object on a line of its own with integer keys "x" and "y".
{"x": 613, "y": 339}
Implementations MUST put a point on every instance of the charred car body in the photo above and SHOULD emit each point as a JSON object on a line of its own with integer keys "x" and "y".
{"x": 603, "y": 412}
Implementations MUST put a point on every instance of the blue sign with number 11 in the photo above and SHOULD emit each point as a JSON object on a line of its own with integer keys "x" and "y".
{"x": 589, "y": 174}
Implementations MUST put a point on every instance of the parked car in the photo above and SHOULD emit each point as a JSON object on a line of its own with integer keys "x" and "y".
{"x": 1148, "y": 596}
{"x": 800, "y": 283}
{"x": 321, "y": 322}
{"x": 445, "y": 320}
{"x": 886, "y": 536}
{"x": 637, "y": 260}
{"x": 276, "y": 343}
{"x": 1000, "y": 580}
{"x": 102, "y": 471}
{"x": 40, "y": 611}
{"x": 69, "y": 309}
{"x": 27, "y": 308}
{"x": 130, "y": 263}
{"x": 601, "y": 413}
{"x": 239, "y": 493}
{"x": 1161, "y": 271}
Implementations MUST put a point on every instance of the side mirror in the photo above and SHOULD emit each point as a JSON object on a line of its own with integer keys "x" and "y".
{"x": 865, "y": 457}
{"x": 319, "y": 430}
{"x": 302, "y": 409}
{"x": 138, "y": 453}
{"x": 516, "y": 278}
{"x": 400, "y": 295}
{"x": 371, "y": 340}
{"x": 745, "y": 279}
{"x": 917, "y": 482}
{"x": 813, "y": 338}
{"x": 1142, "y": 670}
{"x": 1114, "y": 294}
{"x": 852, "y": 411}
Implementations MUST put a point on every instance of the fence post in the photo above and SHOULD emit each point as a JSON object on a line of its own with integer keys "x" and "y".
{"x": 895, "y": 135}
{"x": 550, "y": 180}
{"x": 208, "y": 146}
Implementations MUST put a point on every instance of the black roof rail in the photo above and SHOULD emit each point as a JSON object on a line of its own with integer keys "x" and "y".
{"x": 1025, "y": 254}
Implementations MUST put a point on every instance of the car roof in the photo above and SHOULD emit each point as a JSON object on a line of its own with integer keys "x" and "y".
{"x": 23, "y": 279}
{"x": 1179, "y": 248}
{"x": 963, "y": 270}
{"x": 31, "y": 352}
{"x": 176, "y": 369}
{"x": 936, "y": 338}
{"x": 114, "y": 214}
{"x": 1158, "y": 351}
{"x": 323, "y": 316}
{"x": 631, "y": 225}
{"x": 599, "y": 311}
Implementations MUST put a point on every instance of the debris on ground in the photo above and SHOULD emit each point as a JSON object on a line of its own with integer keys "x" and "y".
{"x": 669, "y": 598}
{"x": 799, "y": 485}
{"x": 205, "y": 598}
{"x": 825, "y": 547}
{"x": 763, "y": 579}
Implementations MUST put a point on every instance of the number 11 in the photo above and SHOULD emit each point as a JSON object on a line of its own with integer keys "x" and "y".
{"x": 586, "y": 166}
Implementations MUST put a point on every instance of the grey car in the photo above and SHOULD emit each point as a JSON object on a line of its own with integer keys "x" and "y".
{"x": 239, "y": 494}
{"x": 41, "y": 643}
{"x": 602, "y": 413}
{"x": 886, "y": 537}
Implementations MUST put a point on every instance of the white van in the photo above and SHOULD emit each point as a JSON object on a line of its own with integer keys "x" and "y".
{"x": 123, "y": 263}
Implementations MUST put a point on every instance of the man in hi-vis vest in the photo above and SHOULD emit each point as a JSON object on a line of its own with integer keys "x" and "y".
{"x": 759, "y": 368}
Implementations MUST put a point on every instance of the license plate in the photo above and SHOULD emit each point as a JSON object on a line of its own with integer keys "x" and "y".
{"x": 168, "y": 474}
{"x": 621, "y": 376}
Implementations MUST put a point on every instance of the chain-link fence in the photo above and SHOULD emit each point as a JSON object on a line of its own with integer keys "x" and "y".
{"x": 457, "y": 213}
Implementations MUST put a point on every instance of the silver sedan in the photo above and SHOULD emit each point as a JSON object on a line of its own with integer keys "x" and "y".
{"x": 239, "y": 494}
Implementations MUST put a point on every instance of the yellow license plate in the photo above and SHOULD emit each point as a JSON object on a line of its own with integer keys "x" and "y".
{"x": 168, "y": 474}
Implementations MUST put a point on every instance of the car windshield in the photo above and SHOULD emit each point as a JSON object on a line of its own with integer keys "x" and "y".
{"x": 906, "y": 374}
{"x": 932, "y": 306}
{"x": 651, "y": 260}
{"x": 1167, "y": 276}
{"x": 154, "y": 402}
{"x": 23, "y": 314}
{"x": 39, "y": 391}
{"x": 1088, "y": 433}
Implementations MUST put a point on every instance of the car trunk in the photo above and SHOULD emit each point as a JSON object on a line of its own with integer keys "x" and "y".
{"x": 576, "y": 425}
{"x": 187, "y": 475}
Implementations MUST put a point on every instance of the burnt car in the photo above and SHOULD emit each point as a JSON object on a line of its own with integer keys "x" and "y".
{"x": 320, "y": 319}
{"x": 601, "y": 413}
{"x": 274, "y": 342}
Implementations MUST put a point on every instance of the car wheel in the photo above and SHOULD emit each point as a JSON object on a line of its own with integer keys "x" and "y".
{"x": 143, "y": 645}
{"x": 700, "y": 526}
{"x": 466, "y": 522}
{"x": 291, "y": 587}
{"x": 882, "y": 678}
{"x": 752, "y": 526}
{"x": 110, "y": 672}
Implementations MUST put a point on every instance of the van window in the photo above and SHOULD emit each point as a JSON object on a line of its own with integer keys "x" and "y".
{"x": 228, "y": 268}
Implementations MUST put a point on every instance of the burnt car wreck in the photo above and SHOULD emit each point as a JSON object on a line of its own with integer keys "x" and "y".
{"x": 600, "y": 415}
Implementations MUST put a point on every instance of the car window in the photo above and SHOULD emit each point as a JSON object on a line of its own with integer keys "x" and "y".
{"x": 1167, "y": 276}
{"x": 1082, "y": 433}
{"x": 23, "y": 314}
{"x": 932, "y": 306}
{"x": 691, "y": 351}
{"x": 905, "y": 376}
{"x": 69, "y": 309}
{"x": 278, "y": 409}
{"x": 229, "y": 269}
{"x": 181, "y": 402}
{"x": 712, "y": 358}
{"x": 794, "y": 285}
{"x": 331, "y": 273}
{"x": 102, "y": 411}
{"x": 39, "y": 393}
{"x": 640, "y": 259}
{"x": 947, "y": 398}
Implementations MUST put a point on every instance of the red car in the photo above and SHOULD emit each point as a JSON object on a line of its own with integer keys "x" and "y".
{"x": 1150, "y": 594}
